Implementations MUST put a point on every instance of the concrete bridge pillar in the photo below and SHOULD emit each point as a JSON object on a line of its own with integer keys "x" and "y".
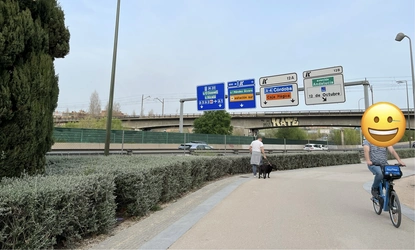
{"x": 342, "y": 136}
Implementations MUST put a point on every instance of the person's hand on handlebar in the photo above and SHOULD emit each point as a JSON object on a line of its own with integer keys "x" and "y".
{"x": 402, "y": 163}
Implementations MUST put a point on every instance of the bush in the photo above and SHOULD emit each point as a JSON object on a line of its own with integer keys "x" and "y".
{"x": 80, "y": 195}
{"x": 38, "y": 212}
{"x": 403, "y": 153}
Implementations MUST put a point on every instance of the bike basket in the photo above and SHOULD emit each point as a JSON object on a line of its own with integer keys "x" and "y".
{"x": 391, "y": 172}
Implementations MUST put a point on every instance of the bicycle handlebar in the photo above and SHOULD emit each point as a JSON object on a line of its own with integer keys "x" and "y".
{"x": 381, "y": 165}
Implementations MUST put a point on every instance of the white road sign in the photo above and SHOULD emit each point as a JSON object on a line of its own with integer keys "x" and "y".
{"x": 323, "y": 72}
{"x": 279, "y": 95}
{"x": 285, "y": 78}
{"x": 324, "y": 90}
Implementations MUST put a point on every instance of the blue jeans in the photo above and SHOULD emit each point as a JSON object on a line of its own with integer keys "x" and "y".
{"x": 254, "y": 168}
{"x": 378, "y": 175}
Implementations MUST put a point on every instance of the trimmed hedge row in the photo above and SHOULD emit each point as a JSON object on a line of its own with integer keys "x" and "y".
{"x": 36, "y": 212}
{"x": 403, "y": 153}
{"x": 81, "y": 195}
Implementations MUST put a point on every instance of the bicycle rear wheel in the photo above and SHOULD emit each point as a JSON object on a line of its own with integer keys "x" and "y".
{"x": 376, "y": 205}
{"x": 395, "y": 209}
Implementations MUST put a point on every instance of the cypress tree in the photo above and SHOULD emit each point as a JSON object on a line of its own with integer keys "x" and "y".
{"x": 32, "y": 35}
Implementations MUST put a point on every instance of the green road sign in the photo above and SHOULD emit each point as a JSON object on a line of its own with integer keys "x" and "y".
{"x": 322, "y": 81}
{"x": 241, "y": 91}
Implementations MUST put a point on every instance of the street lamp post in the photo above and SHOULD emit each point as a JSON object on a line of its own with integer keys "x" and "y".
{"x": 360, "y": 128}
{"x": 358, "y": 103}
{"x": 162, "y": 105}
{"x": 142, "y": 104}
{"x": 399, "y": 38}
{"x": 407, "y": 104}
{"x": 371, "y": 91}
{"x": 111, "y": 98}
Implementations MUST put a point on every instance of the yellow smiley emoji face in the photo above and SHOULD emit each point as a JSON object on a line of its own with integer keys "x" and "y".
{"x": 383, "y": 124}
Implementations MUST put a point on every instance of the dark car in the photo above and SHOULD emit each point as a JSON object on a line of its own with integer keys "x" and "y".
{"x": 413, "y": 144}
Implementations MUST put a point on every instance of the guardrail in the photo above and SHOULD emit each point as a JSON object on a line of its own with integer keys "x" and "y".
{"x": 186, "y": 151}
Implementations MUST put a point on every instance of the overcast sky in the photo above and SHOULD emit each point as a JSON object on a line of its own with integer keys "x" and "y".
{"x": 167, "y": 48}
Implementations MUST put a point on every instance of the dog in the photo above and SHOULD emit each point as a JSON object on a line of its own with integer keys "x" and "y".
{"x": 265, "y": 169}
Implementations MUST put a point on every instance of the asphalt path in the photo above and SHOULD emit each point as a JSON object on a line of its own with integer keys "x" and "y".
{"x": 316, "y": 208}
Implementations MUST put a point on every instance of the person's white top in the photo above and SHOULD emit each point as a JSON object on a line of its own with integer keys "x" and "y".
{"x": 256, "y": 146}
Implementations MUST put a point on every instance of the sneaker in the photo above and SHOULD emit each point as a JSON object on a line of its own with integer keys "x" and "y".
{"x": 375, "y": 192}
{"x": 380, "y": 198}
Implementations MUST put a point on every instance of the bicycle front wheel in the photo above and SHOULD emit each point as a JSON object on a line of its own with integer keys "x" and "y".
{"x": 376, "y": 205}
{"x": 395, "y": 209}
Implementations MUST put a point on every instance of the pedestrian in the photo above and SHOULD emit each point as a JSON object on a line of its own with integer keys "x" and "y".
{"x": 375, "y": 157}
{"x": 257, "y": 151}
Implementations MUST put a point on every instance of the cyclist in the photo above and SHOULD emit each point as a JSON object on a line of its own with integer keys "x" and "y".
{"x": 376, "y": 156}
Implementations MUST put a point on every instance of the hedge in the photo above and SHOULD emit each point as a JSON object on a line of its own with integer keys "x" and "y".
{"x": 37, "y": 212}
{"x": 79, "y": 196}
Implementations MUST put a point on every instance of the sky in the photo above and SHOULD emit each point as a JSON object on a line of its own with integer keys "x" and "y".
{"x": 166, "y": 48}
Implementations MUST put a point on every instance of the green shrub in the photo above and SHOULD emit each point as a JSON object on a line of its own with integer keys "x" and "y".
{"x": 403, "y": 153}
{"x": 37, "y": 212}
{"x": 80, "y": 195}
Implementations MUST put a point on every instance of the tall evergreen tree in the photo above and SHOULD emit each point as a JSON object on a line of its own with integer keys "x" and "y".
{"x": 32, "y": 35}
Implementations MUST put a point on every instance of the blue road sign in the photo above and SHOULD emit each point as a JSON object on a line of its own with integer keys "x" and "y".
{"x": 211, "y": 97}
{"x": 278, "y": 89}
{"x": 241, "y": 94}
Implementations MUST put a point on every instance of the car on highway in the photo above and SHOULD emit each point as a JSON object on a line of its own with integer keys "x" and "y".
{"x": 312, "y": 147}
{"x": 413, "y": 144}
{"x": 324, "y": 147}
{"x": 195, "y": 146}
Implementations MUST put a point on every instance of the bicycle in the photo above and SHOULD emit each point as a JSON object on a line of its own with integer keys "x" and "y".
{"x": 388, "y": 199}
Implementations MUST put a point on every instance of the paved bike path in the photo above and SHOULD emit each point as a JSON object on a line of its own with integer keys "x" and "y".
{"x": 306, "y": 208}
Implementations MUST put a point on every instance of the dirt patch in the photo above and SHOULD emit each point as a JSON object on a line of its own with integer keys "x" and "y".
{"x": 405, "y": 188}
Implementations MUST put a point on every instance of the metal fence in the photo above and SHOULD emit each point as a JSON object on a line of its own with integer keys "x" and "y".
{"x": 82, "y": 135}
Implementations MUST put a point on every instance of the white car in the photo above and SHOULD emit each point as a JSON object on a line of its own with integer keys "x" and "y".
{"x": 312, "y": 147}
{"x": 194, "y": 146}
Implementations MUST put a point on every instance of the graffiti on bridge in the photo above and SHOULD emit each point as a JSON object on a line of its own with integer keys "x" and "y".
{"x": 284, "y": 122}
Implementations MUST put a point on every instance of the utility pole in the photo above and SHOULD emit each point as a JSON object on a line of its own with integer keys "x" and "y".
{"x": 111, "y": 98}
{"x": 162, "y": 103}
{"x": 142, "y": 104}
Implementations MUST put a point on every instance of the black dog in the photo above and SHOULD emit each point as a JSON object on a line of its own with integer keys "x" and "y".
{"x": 265, "y": 169}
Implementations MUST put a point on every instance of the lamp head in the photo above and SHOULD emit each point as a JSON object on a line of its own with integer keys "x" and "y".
{"x": 399, "y": 36}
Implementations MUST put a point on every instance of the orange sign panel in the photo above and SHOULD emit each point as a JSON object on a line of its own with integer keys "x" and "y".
{"x": 238, "y": 98}
{"x": 278, "y": 96}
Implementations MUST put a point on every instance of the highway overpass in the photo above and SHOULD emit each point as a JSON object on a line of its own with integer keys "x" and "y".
{"x": 259, "y": 120}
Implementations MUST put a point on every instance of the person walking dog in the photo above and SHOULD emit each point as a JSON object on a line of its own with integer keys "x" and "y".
{"x": 257, "y": 151}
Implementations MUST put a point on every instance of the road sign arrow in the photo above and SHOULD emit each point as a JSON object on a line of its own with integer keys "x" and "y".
{"x": 292, "y": 100}
{"x": 265, "y": 102}
{"x": 241, "y": 105}
{"x": 324, "y": 99}
{"x": 201, "y": 106}
{"x": 220, "y": 105}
